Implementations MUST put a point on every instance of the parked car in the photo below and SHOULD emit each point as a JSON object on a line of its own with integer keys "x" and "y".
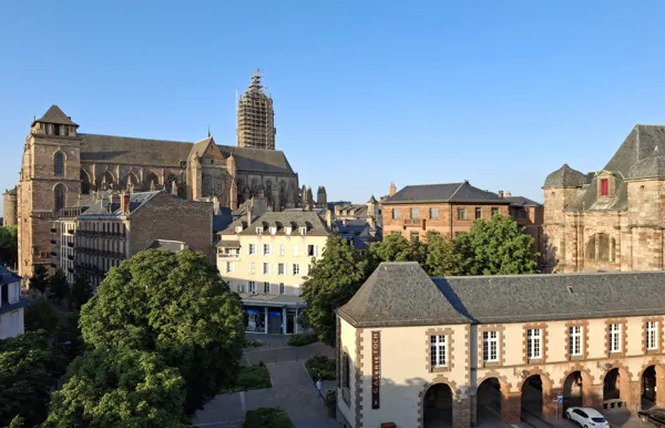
{"x": 587, "y": 417}
{"x": 654, "y": 417}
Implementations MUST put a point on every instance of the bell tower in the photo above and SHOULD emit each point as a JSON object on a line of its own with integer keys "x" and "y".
{"x": 49, "y": 181}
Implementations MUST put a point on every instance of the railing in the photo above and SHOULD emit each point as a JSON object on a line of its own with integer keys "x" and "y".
{"x": 228, "y": 256}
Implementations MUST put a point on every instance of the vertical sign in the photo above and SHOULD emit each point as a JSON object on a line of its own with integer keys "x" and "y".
{"x": 376, "y": 368}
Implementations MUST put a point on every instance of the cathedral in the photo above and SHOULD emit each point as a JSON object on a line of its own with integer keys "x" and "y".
{"x": 60, "y": 164}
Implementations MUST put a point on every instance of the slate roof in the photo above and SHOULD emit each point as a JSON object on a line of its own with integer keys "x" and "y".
{"x": 565, "y": 177}
{"x": 448, "y": 192}
{"x": 167, "y": 245}
{"x": 111, "y": 208}
{"x": 521, "y": 201}
{"x": 221, "y": 219}
{"x": 651, "y": 167}
{"x": 295, "y": 219}
{"x": 399, "y": 294}
{"x": 229, "y": 244}
{"x": 8, "y": 277}
{"x": 55, "y": 115}
{"x": 638, "y": 145}
{"x": 12, "y": 191}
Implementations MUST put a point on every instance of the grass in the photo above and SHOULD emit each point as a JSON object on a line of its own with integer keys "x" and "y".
{"x": 267, "y": 417}
{"x": 302, "y": 339}
{"x": 321, "y": 367}
{"x": 250, "y": 377}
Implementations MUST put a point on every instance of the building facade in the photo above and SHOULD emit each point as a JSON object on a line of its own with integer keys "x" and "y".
{"x": 451, "y": 209}
{"x": 420, "y": 352}
{"x": 10, "y": 198}
{"x": 60, "y": 164}
{"x": 265, "y": 260}
{"x": 11, "y": 304}
{"x": 612, "y": 219}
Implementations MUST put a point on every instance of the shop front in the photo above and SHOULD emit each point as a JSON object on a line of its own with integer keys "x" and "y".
{"x": 272, "y": 314}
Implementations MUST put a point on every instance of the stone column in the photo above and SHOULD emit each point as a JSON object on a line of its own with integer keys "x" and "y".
{"x": 660, "y": 386}
{"x": 462, "y": 413}
{"x": 511, "y": 407}
{"x": 549, "y": 402}
{"x": 592, "y": 395}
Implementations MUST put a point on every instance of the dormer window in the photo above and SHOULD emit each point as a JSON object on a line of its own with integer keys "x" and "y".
{"x": 303, "y": 230}
{"x": 238, "y": 229}
{"x": 288, "y": 230}
{"x": 273, "y": 230}
{"x": 259, "y": 231}
{"x": 604, "y": 187}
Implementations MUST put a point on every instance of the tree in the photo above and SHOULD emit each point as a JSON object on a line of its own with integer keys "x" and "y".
{"x": 112, "y": 388}
{"x": 81, "y": 291}
{"x": 39, "y": 279}
{"x": 177, "y": 306}
{"x": 496, "y": 247}
{"x": 8, "y": 245}
{"x": 29, "y": 366}
{"x": 56, "y": 286}
{"x": 393, "y": 248}
{"x": 442, "y": 257}
{"x": 333, "y": 280}
{"x": 41, "y": 315}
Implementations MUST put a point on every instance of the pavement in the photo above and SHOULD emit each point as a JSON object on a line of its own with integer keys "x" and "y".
{"x": 292, "y": 389}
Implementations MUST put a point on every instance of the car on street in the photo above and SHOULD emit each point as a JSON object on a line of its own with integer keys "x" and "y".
{"x": 586, "y": 417}
{"x": 655, "y": 417}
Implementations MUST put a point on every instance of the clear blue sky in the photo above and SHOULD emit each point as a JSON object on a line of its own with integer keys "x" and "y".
{"x": 497, "y": 92}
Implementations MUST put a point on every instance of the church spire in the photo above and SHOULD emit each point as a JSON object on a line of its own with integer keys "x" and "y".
{"x": 256, "y": 117}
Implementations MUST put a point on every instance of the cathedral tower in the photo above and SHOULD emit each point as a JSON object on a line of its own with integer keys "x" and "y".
{"x": 256, "y": 118}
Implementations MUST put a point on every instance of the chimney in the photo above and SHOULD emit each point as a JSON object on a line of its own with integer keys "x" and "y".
{"x": 393, "y": 189}
{"x": 249, "y": 214}
{"x": 124, "y": 203}
{"x": 500, "y": 194}
{"x": 509, "y": 194}
{"x": 329, "y": 220}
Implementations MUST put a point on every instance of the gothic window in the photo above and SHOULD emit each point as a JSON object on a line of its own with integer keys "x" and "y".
{"x": 59, "y": 197}
{"x": 59, "y": 164}
{"x": 85, "y": 183}
{"x": 601, "y": 248}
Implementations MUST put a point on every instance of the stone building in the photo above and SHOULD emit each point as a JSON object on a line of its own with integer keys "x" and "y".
{"x": 256, "y": 117}
{"x": 452, "y": 208}
{"x": 422, "y": 352}
{"x": 612, "y": 219}
{"x": 265, "y": 259}
{"x": 108, "y": 228}
{"x": 10, "y": 198}
{"x": 60, "y": 164}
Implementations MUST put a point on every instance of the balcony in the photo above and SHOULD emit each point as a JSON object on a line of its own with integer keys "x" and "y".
{"x": 414, "y": 222}
{"x": 70, "y": 231}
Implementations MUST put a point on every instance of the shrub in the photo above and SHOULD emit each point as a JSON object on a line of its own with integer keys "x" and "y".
{"x": 252, "y": 343}
{"x": 321, "y": 367}
{"x": 251, "y": 377}
{"x": 267, "y": 417}
{"x": 302, "y": 339}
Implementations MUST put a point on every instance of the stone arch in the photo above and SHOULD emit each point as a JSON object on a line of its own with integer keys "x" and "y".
{"x": 601, "y": 247}
{"x": 547, "y": 407}
{"x": 423, "y": 397}
{"x": 570, "y": 387}
{"x": 130, "y": 180}
{"x": 151, "y": 181}
{"x": 489, "y": 406}
{"x": 106, "y": 180}
{"x": 59, "y": 159}
{"x": 617, "y": 381}
{"x": 654, "y": 393}
{"x": 59, "y": 197}
{"x": 86, "y": 182}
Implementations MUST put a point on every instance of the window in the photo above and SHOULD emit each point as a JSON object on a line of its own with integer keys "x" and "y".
{"x": 434, "y": 213}
{"x": 251, "y": 287}
{"x": 490, "y": 346}
{"x": 296, "y": 269}
{"x": 296, "y": 250}
{"x": 415, "y": 213}
{"x": 238, "y": 229}
{"x": 309, "y": 269}
{"x": 266, "y": 249}
{"x": 280, "y": 269}
{"x": 59, "y": 197}
{"x": 273, "y": 230}
{"x": 13, "y": 293}
{"x": 604, "y": 187}
{"x": 533, "y": 336}
{"x": 439, "y": 351}
{"x": 296, "y": 289}
{"x": 575, "y": 340}
{"x": 479, "y": 213}
{"x": 287, "y": 230}
{"x": 252, "y": 268}
{"x": 59, "y": 164}
{"x": 615, "y": 337}
{"x": 251, "y": 249}
{"x": 495, "y": 211}
{"x": 13, "y": 320}
{"x": 652, "y": 335}
{"x": 240, "y": 288}
{"x": 281, "y": 249}
{"x": 229, "y": 267}
{"x": 415, "y": 236}
{"x": 266, "y": 268}
{"x": 346, "y": 376}
{"x": 312, "y": 251}
{"x": 281, "y": 288}
{"x": 303, "y": 230}
{"x": 266, "y": 287}
{"x": 395, "y": 213}
{"x": 259, "y": 231}
{"x": 461, "y": 214}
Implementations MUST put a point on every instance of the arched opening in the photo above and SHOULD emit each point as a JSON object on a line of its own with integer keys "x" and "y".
{"x": 600, "y": 248}
{"x": 85, "y": 182}
{"x": 152, "y": 182}
{"x": 59, "y": 197}
{"x": 106, "y": 181}
{"x": 438, "y": 406}
{"x": 131, "y": 182}
{"x": 532, "y": 397}
{"x": 612, "y": 396}
{"x": 488, "y": 403}
{"x": 649, "y": 387}
{"x": 572, "y": 390}
{"x": 59, "y": 164}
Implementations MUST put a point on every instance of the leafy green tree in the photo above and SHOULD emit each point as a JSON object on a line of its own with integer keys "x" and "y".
{"x": 177, "y": 306}
{"x": 81, "y": 291}
{"x": 496, "y": 247}
{"x": 119, "y": 388}
{"x": 17, "y": 422}
{"x": 442, "y": 257}
{"x": 333, "y": 280}
{"x": 393, "y": 248}
{"x": 41, "y": 315}
{"x": 8, "y": 245}
{"x": 29, "y": 366}
{"x": 39, "y": 280}
{"x": 57, "y": 287}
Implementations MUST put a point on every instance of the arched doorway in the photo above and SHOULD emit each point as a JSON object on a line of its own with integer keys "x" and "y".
{"x": 532, "y": 397}
{"x": 438, "y": 406}
{"x": 573, "y": 391}
{"x": 616, "y": 389}
{"x": 648, "y": 387}
{"x": 488, "y": 402}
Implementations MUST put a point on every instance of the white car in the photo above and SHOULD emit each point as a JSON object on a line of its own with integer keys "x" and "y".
{"x": 587, "y": 417}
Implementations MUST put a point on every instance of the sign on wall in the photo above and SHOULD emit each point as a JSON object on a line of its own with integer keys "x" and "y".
{"x": 376, "y": 368}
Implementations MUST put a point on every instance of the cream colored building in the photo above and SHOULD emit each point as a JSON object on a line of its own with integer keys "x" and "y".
{"x": 266, "y": 260}
{"x": 11, "y": 304}
{"x": 416, "y": 351}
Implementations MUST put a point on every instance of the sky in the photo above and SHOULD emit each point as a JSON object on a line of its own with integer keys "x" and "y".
{"x": 499, "y": 93}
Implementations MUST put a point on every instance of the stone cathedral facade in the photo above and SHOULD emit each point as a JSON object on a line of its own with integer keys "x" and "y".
{"x": 60, "y": 164}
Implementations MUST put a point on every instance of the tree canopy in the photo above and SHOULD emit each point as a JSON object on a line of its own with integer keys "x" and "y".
{"x": 8, "y": 245}
{"x": 39, "y": 279}
{"x": 56, "y": 285}
{"x": 177, "y": 306}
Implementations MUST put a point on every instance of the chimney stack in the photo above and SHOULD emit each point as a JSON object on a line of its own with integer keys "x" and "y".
{"x": 500, "y": 194}
{"x": 124, "y": 203}
{"x": 249, "y": 213}
{"x": 393, "y": 189}
{"x": 509, "y": 194}
{"x": 329, "y": 220}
